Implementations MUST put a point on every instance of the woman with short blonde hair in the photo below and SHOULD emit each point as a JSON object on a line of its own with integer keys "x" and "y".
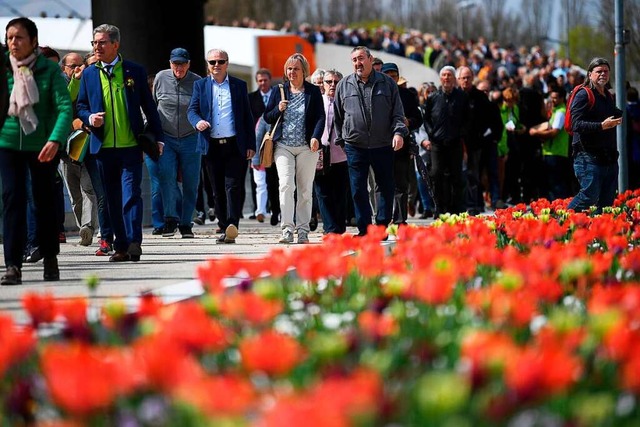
{"x": 297, "y": 139}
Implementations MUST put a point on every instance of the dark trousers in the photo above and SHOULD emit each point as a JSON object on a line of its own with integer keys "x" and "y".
{"x": 402, "y": 168}
{"x": 557, "y": 171}
{"x": 273, "y": 192}
{"x": 359, "y": 161}
{"x": 473, "y": 194}
{"x": 104, "y": 221}
{"x": 446, "y": 172}
{"x": 226, "y": 171}
{"x": 489, "y": 165}
{"x": 121, "y": 173}
{"x": 13, "y": 169}
{"x": 331, "y": 192}
{"x": 204, "y": 188}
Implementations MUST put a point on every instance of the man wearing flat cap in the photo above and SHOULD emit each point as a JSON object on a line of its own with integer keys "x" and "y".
{"x": 594, "y": 117}
{"x": 402, "y": 164}
{"x": 172, "y": 90}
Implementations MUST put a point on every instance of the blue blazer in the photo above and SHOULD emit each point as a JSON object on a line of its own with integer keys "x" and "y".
{"x": 314, "y": 116}
{"x": 138, "y": 95}
{"x": 200, "y": 109}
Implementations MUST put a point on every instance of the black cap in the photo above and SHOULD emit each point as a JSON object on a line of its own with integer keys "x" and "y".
{"x": 389, "y": 66}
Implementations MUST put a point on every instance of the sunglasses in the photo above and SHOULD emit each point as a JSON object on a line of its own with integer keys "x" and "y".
{"x": 335, "y": 82}
{"x": 217, "y": 61}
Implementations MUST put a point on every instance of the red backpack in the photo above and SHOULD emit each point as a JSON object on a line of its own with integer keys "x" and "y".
{"x": 567, "y": 115}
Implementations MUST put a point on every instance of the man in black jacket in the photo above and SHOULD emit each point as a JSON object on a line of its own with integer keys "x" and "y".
{"x": 446, "y": 120}
{"x": 594, "y": 140}
{"x": 402, "y": 165}
{"x": 484, "y": 128}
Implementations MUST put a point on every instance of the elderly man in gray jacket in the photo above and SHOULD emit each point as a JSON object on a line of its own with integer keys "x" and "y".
{"x": 172, "y": 90}
{"x": 369, "y": 124}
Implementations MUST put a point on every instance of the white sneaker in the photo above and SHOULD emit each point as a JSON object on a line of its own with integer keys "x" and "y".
{"x": 287, "y": 237}
{"x": 86, "y": 235}
{"x": 303, "y": 237}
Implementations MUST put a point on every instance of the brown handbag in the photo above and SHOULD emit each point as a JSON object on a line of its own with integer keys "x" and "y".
{"x": 267, "y": 147}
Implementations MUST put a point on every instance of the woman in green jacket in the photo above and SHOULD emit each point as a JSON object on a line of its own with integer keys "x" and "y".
{"x": 37, "y": 125}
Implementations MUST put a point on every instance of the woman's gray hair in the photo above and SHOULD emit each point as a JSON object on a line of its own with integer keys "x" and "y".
{"x": 318, "y": 73}
{"x": 334, "y": 72}
{"x": 111, "y": 30}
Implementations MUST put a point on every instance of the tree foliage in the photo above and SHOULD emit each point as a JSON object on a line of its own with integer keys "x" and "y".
{"x": 589, "y": 26}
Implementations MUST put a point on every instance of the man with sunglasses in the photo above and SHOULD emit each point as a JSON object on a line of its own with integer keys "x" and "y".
{"x": 221, "y": 113}
{"x": 113, "y": 94}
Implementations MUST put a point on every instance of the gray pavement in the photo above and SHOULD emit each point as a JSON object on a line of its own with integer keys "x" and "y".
{"x": 167, "y": 266}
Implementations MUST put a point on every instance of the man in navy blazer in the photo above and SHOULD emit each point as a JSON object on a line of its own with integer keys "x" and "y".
{"x": 220, "y": 111}
{"x": 112, "y": 93}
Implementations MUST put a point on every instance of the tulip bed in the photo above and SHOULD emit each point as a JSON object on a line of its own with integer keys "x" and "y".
{"x": 529, "y": 317}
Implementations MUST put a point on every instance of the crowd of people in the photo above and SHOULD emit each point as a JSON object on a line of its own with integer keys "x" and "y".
{"x": 350, "y": 149}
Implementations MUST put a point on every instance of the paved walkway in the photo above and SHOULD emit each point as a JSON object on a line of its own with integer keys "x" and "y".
{"x": 167, "y": 265}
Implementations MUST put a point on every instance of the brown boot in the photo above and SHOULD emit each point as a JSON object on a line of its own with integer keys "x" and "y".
{"x": 13, "y": 276}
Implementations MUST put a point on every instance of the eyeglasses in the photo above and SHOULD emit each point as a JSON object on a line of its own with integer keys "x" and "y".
{"x": 329, "y": 82}
{"x": 73, "y": 66}
{"x": 100, "y": 43}
{"x": 217, "y": 61}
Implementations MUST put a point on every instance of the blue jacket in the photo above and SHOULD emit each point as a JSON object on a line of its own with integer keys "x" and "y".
{"x": 314, "y": 116}
{"x": 200, "y": 109}
{"x": 91, "y": 101}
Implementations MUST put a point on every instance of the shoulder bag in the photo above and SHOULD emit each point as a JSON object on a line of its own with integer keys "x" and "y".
{"x": 267, "y": 147}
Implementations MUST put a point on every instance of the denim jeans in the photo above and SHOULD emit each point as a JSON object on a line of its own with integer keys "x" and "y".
{"x": 179, "y": 153}
{"x": 598, "y": 183}
{"x": 381, "y": 161}
{"x": 157, "y": 210}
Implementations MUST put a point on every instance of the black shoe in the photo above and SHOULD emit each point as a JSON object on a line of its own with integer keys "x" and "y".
{"x": 252, "y": 217}
{"x": 170, "y": 228}
{"x": 157, "y": 231}
{"x": 186, "y": 231}
{"x": 200, "y": 218}
{"x": 119, "y": 257}
{"x": 34, "y": 256}
{"x": 134, "y": 251}
{"x": 13, "y": 276}
{"x": 212, "y": 214}
{"x": 275, "y": 219}
{"x": 51, "y": 270}
{"x": 426, "y": 214}
{"x": 313, "y": 224}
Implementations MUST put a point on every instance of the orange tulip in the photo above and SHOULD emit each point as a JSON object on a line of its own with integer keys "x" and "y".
{"x": 270, "y": 352}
